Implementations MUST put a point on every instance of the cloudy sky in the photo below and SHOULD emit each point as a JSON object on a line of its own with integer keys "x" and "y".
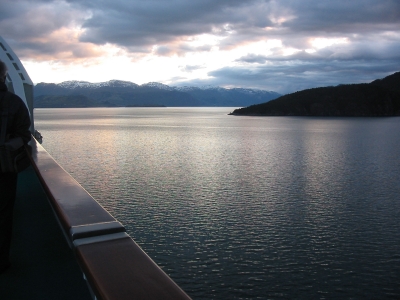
{"x": 278, "y": 45}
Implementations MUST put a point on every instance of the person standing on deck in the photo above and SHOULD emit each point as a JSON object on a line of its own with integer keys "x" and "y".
{"x": 18, "y": 124}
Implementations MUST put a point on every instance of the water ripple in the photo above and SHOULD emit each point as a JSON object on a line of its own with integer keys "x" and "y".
{"x": 240, "y": 208}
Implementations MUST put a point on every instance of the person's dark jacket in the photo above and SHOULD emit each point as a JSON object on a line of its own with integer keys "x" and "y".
{"x": 18, "y": 122}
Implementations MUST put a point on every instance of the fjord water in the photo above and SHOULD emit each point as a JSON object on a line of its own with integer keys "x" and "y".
{"x": 235, "y": 207}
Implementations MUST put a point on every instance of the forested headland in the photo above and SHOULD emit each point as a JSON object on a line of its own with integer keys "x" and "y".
{"x": 378, "y": 98}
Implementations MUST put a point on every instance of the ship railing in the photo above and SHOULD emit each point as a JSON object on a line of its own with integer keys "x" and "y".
{"x": 114, "y": 266}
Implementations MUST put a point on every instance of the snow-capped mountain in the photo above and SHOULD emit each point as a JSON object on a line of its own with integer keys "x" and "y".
{"x": 125, "y": 93}
{"x": 73, "y": 84}
{"x": 158, "y": 85}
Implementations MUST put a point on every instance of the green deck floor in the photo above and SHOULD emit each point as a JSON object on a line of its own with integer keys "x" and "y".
{"x": 43, "y": 266}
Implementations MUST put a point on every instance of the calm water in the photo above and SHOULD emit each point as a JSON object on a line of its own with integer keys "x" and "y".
{"x": 245, "y": 207}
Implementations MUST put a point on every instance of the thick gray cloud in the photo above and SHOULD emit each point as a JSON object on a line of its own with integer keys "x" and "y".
{"x": 136, "y": 24}
{"x": 284, "y": 78}
{"x": 370, "y": 28}
{"x": 34, "y": 29}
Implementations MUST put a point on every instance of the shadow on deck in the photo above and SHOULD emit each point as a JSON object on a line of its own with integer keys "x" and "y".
{"x": 43, "y": 265}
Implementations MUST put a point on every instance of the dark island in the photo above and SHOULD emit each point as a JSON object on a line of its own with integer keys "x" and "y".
{"x": 378, "y": 98}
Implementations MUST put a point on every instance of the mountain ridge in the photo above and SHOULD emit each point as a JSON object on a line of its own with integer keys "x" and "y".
{"x": 118, "y": 93}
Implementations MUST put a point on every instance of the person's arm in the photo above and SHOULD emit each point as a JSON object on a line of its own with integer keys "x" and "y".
{"x": 22, "y": 122}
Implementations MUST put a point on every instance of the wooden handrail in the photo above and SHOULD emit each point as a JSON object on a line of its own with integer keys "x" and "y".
{"x": 72, "y": 204}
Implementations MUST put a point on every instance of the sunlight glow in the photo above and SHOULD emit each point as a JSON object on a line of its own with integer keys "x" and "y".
{"x": 205, "y": 39}
{"x": 165, "y": 63}
{"x": 289, "y": 51}
{"x": 116, "y": 63}
{"x": 320, "y": 43}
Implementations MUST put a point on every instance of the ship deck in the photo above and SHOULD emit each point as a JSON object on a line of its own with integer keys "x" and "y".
{"x": 43, "y": 265}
